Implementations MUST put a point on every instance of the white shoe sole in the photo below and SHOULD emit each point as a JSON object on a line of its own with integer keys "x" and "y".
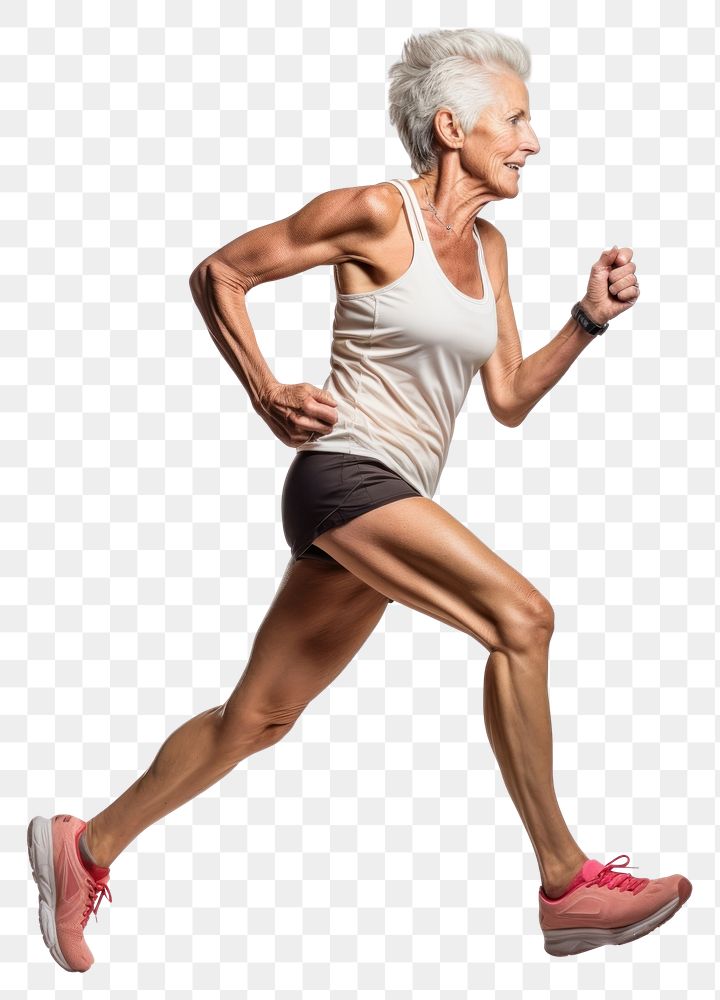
{"x": 40, "y": 852}
{"x": 575, "y": 940}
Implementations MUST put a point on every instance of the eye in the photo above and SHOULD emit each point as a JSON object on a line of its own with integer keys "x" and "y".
{"x": 515, "y": 119}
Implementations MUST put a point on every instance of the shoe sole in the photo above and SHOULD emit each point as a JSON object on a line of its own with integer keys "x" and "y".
{"x": 40, "y": 852}
{"x": 575, "y": 940}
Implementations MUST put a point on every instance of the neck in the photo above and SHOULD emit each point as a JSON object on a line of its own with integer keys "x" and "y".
{"x": 457, "y": 198}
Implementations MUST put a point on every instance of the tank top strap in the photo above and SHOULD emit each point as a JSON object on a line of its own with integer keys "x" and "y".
{"x": 416, "y": 221}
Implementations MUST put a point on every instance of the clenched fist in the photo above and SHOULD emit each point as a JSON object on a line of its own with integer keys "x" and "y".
{"x": 294, "y": 412}
{"x": 613, "y": 286}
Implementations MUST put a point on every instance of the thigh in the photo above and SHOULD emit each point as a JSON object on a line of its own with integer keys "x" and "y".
{"x": 418, "y": 554}
{"x": 324, "y": 489}
{"x": 320, "y": 617}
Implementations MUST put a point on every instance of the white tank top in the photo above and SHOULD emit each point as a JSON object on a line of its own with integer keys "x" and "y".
{"x": 403, "y": 357}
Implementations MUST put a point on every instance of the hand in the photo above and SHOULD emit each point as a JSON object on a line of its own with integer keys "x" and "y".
{"x": 611, "y": 288}
{"x": 293, "y": 412}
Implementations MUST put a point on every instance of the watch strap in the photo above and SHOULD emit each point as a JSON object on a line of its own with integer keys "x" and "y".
{"x": 586, "y": 323}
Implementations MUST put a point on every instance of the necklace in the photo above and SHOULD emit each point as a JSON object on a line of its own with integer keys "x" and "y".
{"x": 434, "y": 210}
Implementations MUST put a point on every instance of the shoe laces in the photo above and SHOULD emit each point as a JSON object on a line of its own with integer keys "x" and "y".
{"x": 94, "y": 889}
{"x": 618, "y": 880}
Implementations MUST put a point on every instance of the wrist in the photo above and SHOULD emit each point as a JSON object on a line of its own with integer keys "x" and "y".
{"x": 264, "y": 393}
{"x": 586, "y": 323}
{"x": 590, "y": 312}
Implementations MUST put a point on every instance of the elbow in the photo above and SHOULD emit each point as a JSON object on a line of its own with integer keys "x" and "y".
{"x": 513, "y": 420}
{"x": 508, "y": 416}
{"x": 214, "y": 266}
{"x": 199, "y": 275}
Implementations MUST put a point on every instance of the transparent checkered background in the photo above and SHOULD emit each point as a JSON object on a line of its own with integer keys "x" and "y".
{"x": 375, "y": 850}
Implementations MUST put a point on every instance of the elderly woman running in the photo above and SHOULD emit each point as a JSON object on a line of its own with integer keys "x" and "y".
{"x": 423, "y": 304}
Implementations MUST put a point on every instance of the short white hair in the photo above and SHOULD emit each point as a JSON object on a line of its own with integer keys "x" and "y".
{"x": 451, "y": 68}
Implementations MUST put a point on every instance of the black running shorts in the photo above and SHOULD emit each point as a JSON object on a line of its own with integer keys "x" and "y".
{"x": 324, "y": 489}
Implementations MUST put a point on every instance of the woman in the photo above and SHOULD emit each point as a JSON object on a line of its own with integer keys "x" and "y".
{"x": 423, "y": 304}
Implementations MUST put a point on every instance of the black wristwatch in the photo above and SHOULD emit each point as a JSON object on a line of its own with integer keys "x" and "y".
{"x": 585, "y": 322}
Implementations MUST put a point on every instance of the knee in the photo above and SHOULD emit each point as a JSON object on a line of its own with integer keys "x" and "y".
{"x": 244, "y": 731}
{"x": 526, "y": 625}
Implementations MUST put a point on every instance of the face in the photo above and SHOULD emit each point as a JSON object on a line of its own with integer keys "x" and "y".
{"x": 502, "y": 134}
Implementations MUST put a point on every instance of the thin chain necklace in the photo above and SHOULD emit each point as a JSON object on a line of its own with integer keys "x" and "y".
{"x": 434, "y": 210}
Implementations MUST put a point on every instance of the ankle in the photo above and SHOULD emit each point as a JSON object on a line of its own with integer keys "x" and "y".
{"x": 557, "y": 878}
{"x": 100, "y": 854}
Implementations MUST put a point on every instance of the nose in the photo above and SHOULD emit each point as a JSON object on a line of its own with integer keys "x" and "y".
{"x": 531, "y": 145}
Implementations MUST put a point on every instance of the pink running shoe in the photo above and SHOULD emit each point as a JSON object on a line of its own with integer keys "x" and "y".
{"x": 67, "y": 889}
{"x": 602, "y": 906}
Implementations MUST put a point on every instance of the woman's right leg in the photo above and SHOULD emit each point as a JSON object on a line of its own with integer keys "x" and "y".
{"x": 320, "y": 617}
{"x": 418, "y": 554}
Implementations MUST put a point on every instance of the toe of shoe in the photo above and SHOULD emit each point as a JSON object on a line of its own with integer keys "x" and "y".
{"x": 684, "y": 888}
{"x": 74, "y": 948}
{"x": 675, "y": 886}
{"x": 77, "y": 955}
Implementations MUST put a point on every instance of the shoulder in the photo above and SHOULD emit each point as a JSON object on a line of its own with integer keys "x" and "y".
{"x": 377, "y": 205}
{"x": 492, "y": 238}
{"x": 373, "y": 205}
{"x": 351, "y": 215}
{"x": 495, "y": 252}
{"x": 355, "y": 219}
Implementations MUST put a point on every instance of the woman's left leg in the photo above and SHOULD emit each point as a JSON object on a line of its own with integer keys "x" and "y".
{"x": 319, "y": 619}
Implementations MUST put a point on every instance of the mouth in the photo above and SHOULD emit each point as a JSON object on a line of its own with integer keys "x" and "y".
{"x": 513, "y": 166}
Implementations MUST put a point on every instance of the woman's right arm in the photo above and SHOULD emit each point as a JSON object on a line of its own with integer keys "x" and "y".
{"x": 331, "y": 228}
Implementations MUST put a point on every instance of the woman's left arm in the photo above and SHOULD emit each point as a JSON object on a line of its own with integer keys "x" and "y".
{"x": 513, "y": 384}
